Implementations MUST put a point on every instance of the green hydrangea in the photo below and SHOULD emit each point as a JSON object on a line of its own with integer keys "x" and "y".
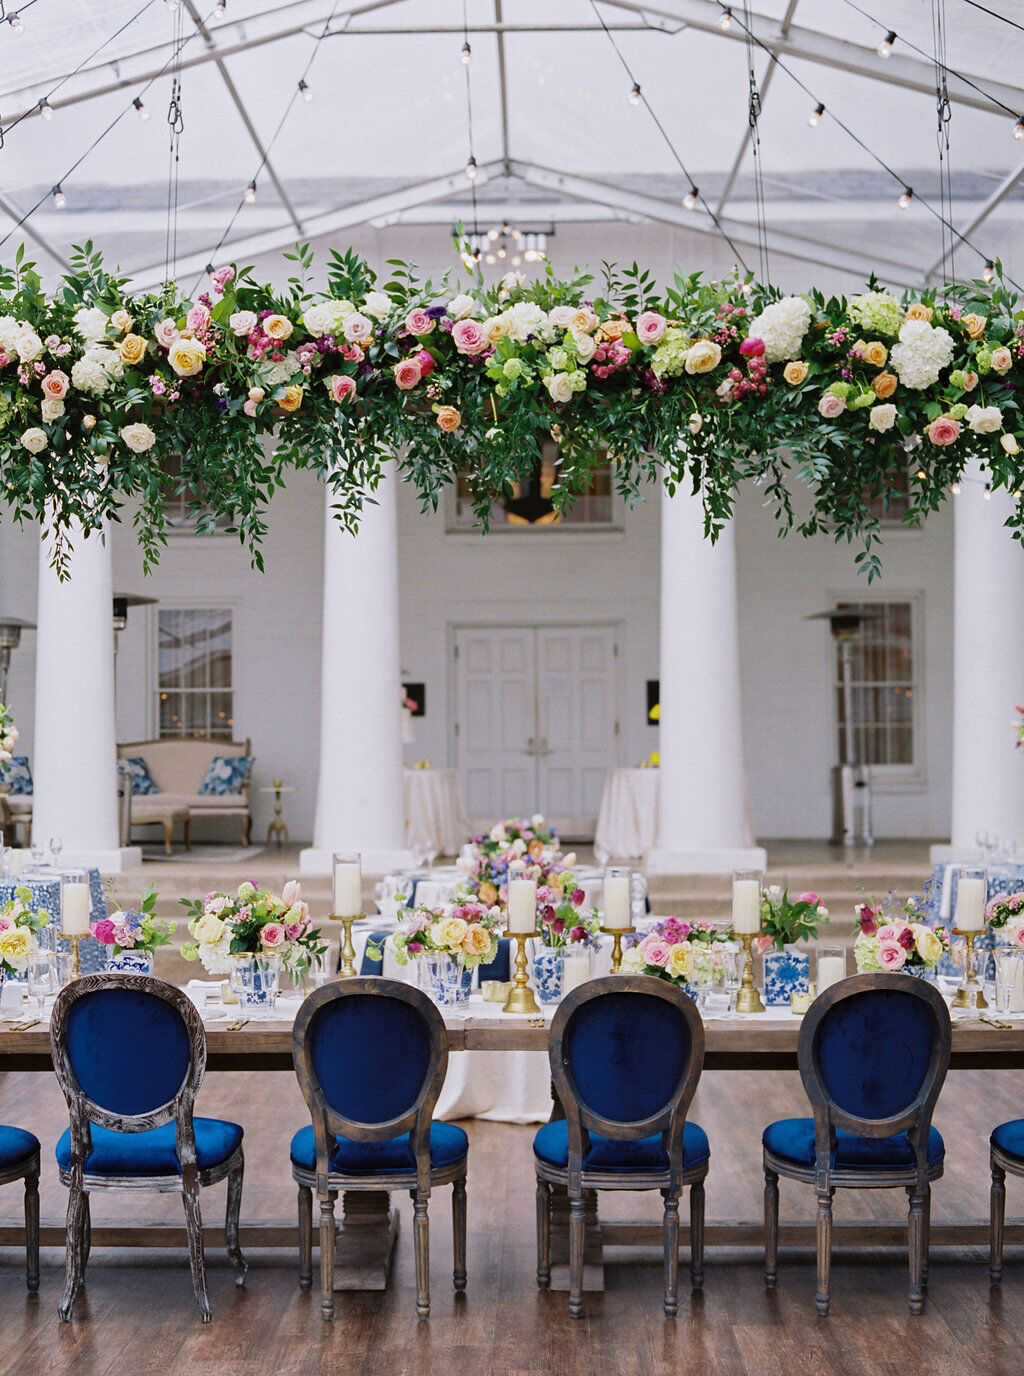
{"x": 865, "y": 953}
{"x": 876, "y": 312}
{"x": 839, "y": 389}
{"x": 958, "y": 379}
{"x": 983, "y": 359}
{"x": 559, "y": 360}
{"x": 513, "y": 368}
{"x": 958, "y": 411}
{"x": 578, "y": 379}
{"x": 862, "y": 399}
{"x": 670, "y": 356}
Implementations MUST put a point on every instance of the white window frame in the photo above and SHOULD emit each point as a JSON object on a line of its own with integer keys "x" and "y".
{"x": 891, "y": 778}
{"x": 191, "y": 604}
{"x": 557, "y": 530}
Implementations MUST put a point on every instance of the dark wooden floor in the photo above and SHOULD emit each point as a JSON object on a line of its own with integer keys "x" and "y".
{"x": 138, "y": 1318}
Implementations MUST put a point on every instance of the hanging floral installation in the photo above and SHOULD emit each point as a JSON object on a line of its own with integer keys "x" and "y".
{"x": 111, "y": 401}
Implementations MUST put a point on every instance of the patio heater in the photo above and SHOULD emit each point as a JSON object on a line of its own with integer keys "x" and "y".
{"x": 851, "y": 778}
{"x": 122, "y": 601}
{"x": 11, "y": 628}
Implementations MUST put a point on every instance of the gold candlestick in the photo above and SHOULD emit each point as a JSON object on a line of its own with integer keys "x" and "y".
{"x": 347, "y": 968}
{"x": 521, "y": 997}
{"x": 970, "y": 994}
{"x": 76, "y": 957}
{"x": 617, "y": 933}
{"x": 748, "y": 1000}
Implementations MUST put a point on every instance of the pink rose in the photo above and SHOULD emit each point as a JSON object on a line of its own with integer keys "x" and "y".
{"x": 468, "y": 337}
{"x": 197, "y": 317}
{"x": 945, "y": 430}
{"x": 408, "y": 373}
{"x": 650, "y": 327}
{"x": 222, "y": 277}
{"x": 273, "y": 934}
{"x": 249, "y": 407}
{"x": 809, "y": 897}
{"x": 419, "y": 322}
{"x": 890, "y": 932}
{"x": 103, "y": 931}
{"x": 56, "y": 384}
{"x": 426, "y": 361}
{"x": 1002, "y": 360}
{"x": 293, "y": 930}
{"x": 1020, "y": 936}
{"x": 166, "y": 333}
{"x": 891, "y": 956}
{"x": 124, "y": 936}
{"x": 342, "y": 388}
{"x": 752, "y": 347}
{"x": 830, "y": 407}
{"x": 656, "y": 952}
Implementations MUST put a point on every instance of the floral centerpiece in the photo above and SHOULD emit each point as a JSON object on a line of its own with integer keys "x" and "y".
{"x": 450, "y": 943}
{"x": 892, "y": 938}
{"x": 518, "y": 847}
{"x": 8, "y": 738}
{"x": 683, "y": 951}
{"x": 1005, "y": 915}
{"x": 519, "y": 836}
{"x": 19, "y": 922}
{"x": 784, "y": 922}
{"x": 252, "y": 924}
{"x": 565, "y": 928}
{"x": 134, "y": 936}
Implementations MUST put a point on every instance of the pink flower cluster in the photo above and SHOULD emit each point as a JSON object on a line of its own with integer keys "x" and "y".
{"x": 609, "y": 358}
{"x": 756, "y": 380}
{"x": 410, "y": 372}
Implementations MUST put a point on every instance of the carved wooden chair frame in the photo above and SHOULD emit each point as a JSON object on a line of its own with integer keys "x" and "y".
{"x": 416, "y": 1121}
{"x": 915, "y": 1120}
{"x": 670, "y": 1121}
{"x": 27, "y": 1169}
{"x": 179, "y": 1110}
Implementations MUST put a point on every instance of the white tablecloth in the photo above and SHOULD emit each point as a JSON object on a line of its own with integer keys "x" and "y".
{"x": 627, "y": 825}
{"x": 436, "y": 821}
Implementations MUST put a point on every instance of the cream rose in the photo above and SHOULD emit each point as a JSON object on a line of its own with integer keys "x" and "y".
{"x": 242, "y": 322}
{"x": 679, "y": 960}
{"x": 882, "y": 418}
{"x": 929, "y": 947}
{"x": 559, "y": 387}
{"x": 378, "y": 305}
{"x": 138, "y": 437}
{"x": 585, "y": 346}
{"x": 703, "y": 356}
{"x": 450, "y": 931}
{"x": 357, "y": 327}
{"x": 52, "y": 409}
{"x": 122, "y": 321}
{"x": 277, "y": 327}
{"x": 209, "y": 930}
{"x": 28, "y": 345}
{"x": 186, "y": 357}
{"x": 34, "y": 440}
{"x": 984, "y": 420}
{"x": 461, "y": 307}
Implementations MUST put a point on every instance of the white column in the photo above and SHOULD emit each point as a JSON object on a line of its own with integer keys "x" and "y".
{"x": 75, "y": 757}
{"x": 988, "y": 670}
{"x": 360, "y": 788}
{"x": 703, "y": 819}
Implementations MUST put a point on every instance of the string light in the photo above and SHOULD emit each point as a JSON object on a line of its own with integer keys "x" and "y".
{"x": 954, "y": 487}
{"x": 1018, "y": 128}
{"x": 143, "y": 113}
{"x": 59, "y": 199}
{"x": 306, "y": 89}
{"x": 989, "y": 271}
{"x": 691, "y": 198}
{"x": 471, "y": 170}
{"x": 16, "y": 23}
{"x": 46, "y": 109}
{"x": 725, "y": 23}
{"x": 987, "y": 494}
{"x": 220, "y": 9}
{"x": 634, "y": 95}
{"x": 466, "y": 54}
{"x": 250, "y": 192}
{"x": 885, "y": 47}
{"x": 814, "y": 118}
{"x": 906, "y": 197}
{"x": 921, "y": 475}
{"x": 172, "y": 5}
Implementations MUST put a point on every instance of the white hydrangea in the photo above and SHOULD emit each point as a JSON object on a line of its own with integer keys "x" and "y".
{"x": 782, "y": 327}
{"x": 96, "y": 369}
{"x": 274, "y": 374}
{"x": 91, "y": 323}
{"x": 526, "y": 318}
{"x": 921, "y": 354}
{"x": 9, "y": 331}
{"x": 325, "y": 317}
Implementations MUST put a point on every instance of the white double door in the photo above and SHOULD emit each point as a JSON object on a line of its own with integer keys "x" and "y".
{"x": 536, "y": 721}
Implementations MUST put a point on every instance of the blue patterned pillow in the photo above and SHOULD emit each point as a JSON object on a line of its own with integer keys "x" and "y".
{"x": 143, "y": 785}
{"x": 17, "y": 777}
{"x": 226, "y": 774}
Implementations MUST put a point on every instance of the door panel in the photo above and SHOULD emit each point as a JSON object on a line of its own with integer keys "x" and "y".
{"x": 576, "y": 704}
{"x": 495, "y": 716}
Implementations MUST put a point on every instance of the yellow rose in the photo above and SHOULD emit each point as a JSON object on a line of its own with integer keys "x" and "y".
{"x": 703, "y": 356}
{"x": 679, "y": 961}
{"x": 450, "y": 931}
{"x": 495, "y": 329}
{"x": 277, "y": 327}
{"x": 873, "y": 351}
{"x": 133, "y": 348}
{"x": 919, "y": 311}
{"x": 487, "y": 893}
{"x": 795, "y": 372}
{"x": 186, "y": 356}
{"x": 974, "y": 325}
{"x": 209, "y": 930}
{"x": 15, "y": 945}
{"x": 884, "y": 385}
{"x": 292, "y": 399}
{"x": 477, "y": 941}
{"x": 929, "y": 947}
{"x": 122, "y": 321}
{"x": 585, "y": 321}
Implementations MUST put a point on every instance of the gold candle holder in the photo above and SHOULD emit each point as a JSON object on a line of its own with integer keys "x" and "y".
{"x": 748, "y": 1000}
{"x": 970, "y": 994}
{"x": 347, "y": 967}
{"x": 616, "y": 934}
{"x": 76, "y": 957}
{"x": 521, "y": 998}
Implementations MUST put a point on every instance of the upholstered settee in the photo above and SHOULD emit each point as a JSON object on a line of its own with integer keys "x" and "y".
{"x": 178, "y": 769}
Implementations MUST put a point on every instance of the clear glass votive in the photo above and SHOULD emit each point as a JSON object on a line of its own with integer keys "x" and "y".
{"x": 831, "y": 963}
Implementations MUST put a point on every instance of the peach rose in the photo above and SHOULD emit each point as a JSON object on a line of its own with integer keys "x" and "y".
{"x": 1002, "y": 360}
{"x": 873, "y": 351}
{"x": 477, "y": 941}
{"x": 56, "y": 384}
{"x": 419, "y": 323}
{"x": 970, "y": 381}
{"x": 613, "y": 329}
{"x": 919, "y": 311}
{"x": 448, "y": 419}
{"x": 122, "y": 321}
{"x": 133, "y": 348}
{"x": 795, "y": 372}
{"x": 341, "y": 388}
{"x": 407, "y": 373}
{"x": 277, "y": 326}
{"x": 292, "y": 399}
{"x": 974, "y": 325}
{"x": 884, "y": 385}
{"x": 584, "y": 320}
{"x": 945, "y": 430}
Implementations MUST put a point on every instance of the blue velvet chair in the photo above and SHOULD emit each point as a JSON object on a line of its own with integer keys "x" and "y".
{"x": 873, "y": 1055}
{"x": 370, "y": 1055}
{"x": 129, "y": 1052}
{"x": 19, "y": 1160}
{"x": 626, "y": 1054}
{"x": 1006, "y": 1156}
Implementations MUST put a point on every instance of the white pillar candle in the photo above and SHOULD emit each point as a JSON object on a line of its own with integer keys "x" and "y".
{"x": 617, "y": 900}
{"x": 575, "y": 970}
{"x": 746, "y": 905}
{"x": 970, "y": 903}
{"x": 522, "y": 905}
{"x": 348, "y": 883}
{"x": 831, "y": 969}
{"x": 74, "y": 909}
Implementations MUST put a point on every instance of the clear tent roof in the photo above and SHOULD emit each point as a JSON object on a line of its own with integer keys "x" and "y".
{"x": 387, "y": 135}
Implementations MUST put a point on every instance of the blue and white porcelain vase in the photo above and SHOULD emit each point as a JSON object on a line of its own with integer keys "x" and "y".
{"x": 257, "y": 981}
{"x": 785, "y": 972}
{"x": 447, "y": 982}
{"x": 131, "y": 962}
{"x": 548, "y": 965}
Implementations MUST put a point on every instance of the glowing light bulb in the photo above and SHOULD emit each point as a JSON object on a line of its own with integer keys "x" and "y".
{"x": 814, "y": 118}
{"x": 885, "y": 47}
{"x": 987, "y": 494}
{"x": 466, "y": 55}
{"x": 250, "y": 192}
{"x": 140, "y": 109}
{"x": 921, "y": 475}
{"x": 18, "y": 26}
{"x": 306, "y": 90}
{"x": 955, "y": 489}
{"x": 1018, "y": 128}
{"x": 634, "y": 95}
{"x": 691, "y": 197}
{"x": 725, "y": 23}
{"x": 59, "y": 199}
{"x": 906, "y": 198}
{"x": 989, "y": 271}
{"x": 471, "y": 170}
{"x": 220, "y": 9}
{"x": 46, "y": 109}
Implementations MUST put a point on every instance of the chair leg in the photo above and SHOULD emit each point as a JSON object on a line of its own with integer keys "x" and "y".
{"x": 86, "y": 1232}
{"x": 32, "y": 1231}
{"x": 697, "y": 1235}
{"x": 231, "y": 1221}
{"x": 305, "y": 1238}
{"x": 823, "y": 1294}
{"x": 771, "y": 1228}
{"x": 915, "y": 1247}
{"x": 543, "y": 1234}
{"x": 997, "y": 1214}
{"x": 459, "y": 1233}
{"x": 577, "y": 1240}
{"x": 327, "y": 1254}
{"x": 194, "y": 1229}
{"x": 926, "y": 1230}
{"x": 670, "y": 1236}
{"x": 73, "y": 1246}
{"x": 421, "y": 1245}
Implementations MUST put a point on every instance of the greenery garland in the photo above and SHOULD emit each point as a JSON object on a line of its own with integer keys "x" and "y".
{"x": 833, "y": 407}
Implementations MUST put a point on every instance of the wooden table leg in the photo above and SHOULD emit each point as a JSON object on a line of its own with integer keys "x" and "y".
{"x": 365, "y": 1240}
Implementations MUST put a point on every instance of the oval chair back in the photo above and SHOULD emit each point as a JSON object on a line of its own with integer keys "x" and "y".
{"x": 370, "y": 1055}
{"x": 129, "y": 1052}
{"x": 626, "y": 1054}
{"x": 873, "y": 1055}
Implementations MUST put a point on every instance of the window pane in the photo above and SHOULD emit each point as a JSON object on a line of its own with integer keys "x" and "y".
{"x": 881, "y": 685}
{"x": 195, "y": 698}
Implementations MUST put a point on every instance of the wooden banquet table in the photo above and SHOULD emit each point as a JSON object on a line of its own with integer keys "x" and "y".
{"x": 369, "y": 1226}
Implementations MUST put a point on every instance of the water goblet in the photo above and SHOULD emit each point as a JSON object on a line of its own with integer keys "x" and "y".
{"x": 41, "y": 976}
{"x": 56, "y": 846}
{"x": 1009, "y": 981}
{"x": 37, "y": 853}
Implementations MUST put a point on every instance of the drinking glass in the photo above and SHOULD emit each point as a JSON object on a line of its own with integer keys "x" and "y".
{"x": 732, "y": 973}
{"x": 37, "y": 853}
{"x": 56, "y": 846}
{"x": 41, "y": 976}
{"x": 1008, "y": 979}
{"x": 321, "y": 967}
